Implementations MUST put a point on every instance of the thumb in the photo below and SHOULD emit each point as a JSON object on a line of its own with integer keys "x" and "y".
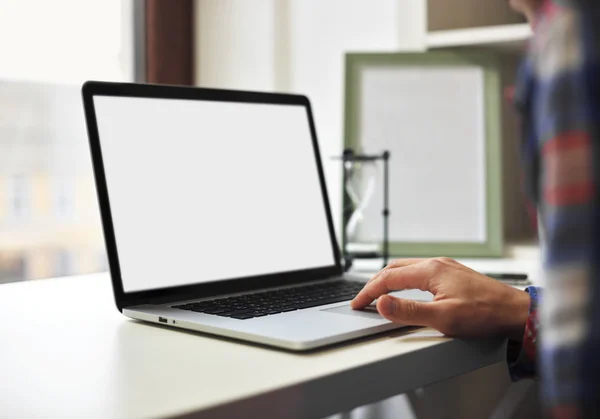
{"x": 408, "y": 312}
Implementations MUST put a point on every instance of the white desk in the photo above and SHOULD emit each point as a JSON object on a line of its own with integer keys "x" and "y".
{"x": 67, "y": 352}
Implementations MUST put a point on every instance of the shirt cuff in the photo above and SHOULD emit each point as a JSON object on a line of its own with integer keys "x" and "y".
{"x": 522, "y": 357}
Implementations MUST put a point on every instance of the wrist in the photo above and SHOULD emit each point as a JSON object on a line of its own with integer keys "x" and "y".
{"x": 519, "y": 315}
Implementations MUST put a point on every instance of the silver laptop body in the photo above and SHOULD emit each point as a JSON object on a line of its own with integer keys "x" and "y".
{"x": 216, "y": 216}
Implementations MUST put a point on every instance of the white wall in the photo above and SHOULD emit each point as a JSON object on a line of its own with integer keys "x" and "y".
{"x": 321, "y": 34}
{"x": 235, "y": 44}
{"x": 299, "y": 46}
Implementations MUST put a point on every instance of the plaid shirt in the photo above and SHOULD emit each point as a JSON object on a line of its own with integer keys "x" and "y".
{"x": 559, "y": 98}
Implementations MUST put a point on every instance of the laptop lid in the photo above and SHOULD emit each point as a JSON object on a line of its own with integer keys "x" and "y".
{"x": 204, "y": 192}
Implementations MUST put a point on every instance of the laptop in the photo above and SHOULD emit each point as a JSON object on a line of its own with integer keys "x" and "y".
{"x": 216, "y": 216}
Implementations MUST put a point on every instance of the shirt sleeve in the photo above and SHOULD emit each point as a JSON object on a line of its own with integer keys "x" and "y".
{"x": 522, "y": 356}
{"x": 566, "y": 115}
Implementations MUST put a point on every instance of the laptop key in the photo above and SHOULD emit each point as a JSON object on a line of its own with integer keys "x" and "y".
{"x": 236, "y": 313}
{"x": 242, "y": 316}
{"x": 269, "y": 312}
{"x": 321, "y": 302}
{"x": 218, "y": 310}
{"x": 201, "y": 309}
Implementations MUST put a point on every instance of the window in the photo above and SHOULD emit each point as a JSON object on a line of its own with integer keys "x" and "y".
{"x": 12, "y": 267}
{"x": 63, "y": 264}
{"x": 103, "y": 262}
{"x": 63, "y": 196}
{"x": 19, "y": 195}
{"x": 48, "y": 204}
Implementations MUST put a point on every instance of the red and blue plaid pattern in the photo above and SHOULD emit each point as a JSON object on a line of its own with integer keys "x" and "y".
{"x": 525, "y": 364}
{"x": 559, "y": 98}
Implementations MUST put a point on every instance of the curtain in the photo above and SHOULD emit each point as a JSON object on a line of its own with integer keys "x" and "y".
{"x": 169, "y": 42}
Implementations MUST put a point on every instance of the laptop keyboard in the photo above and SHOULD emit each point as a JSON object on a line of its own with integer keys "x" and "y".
{"x": 279, "y": 301}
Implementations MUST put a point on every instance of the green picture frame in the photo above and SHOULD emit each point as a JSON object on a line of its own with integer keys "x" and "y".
{"x": 354, "y": 65}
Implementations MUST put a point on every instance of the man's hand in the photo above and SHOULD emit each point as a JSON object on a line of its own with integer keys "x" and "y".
{"x": 466, "y": 303}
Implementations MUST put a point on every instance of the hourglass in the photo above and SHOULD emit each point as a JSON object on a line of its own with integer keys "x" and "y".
{"x": 362, "y": 174}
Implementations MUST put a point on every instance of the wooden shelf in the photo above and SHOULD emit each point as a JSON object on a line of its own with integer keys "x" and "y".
{"x": 503, "y": 36}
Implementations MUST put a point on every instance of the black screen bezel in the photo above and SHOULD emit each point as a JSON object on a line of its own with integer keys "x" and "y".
{"x": 127, "y": 299}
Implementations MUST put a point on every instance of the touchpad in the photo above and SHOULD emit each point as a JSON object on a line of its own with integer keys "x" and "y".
{"x": 369, "y": 312}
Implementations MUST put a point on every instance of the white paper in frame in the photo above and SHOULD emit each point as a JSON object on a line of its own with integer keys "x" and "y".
{"x": 438, "y": 115}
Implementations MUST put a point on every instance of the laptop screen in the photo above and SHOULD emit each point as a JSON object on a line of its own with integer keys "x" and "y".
{"x": 203, "y": 191}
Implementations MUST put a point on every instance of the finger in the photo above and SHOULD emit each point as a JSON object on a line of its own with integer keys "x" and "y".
{"x": 397, "y": 279}
{"x": 408, "y": 312}
{"x": 397, "y": 263}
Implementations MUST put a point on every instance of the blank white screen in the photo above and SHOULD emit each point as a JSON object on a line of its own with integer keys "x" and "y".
{"x": 206, "y": 191}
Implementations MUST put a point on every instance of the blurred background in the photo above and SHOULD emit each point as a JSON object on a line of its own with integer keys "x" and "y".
{"x": 49, "y": 219}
